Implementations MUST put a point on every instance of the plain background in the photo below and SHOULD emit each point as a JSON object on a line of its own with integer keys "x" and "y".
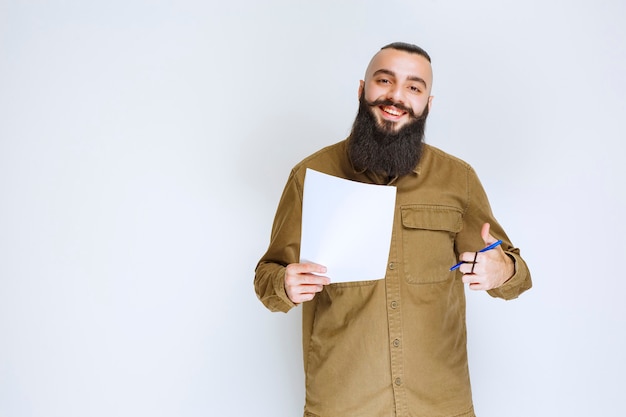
{"x": 144, "y": 146}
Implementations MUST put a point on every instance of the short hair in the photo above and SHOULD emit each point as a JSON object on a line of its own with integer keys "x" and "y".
{"x": 407, "y": 47}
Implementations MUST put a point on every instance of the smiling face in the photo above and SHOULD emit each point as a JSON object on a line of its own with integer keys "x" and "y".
{"x": 397, "y": 87}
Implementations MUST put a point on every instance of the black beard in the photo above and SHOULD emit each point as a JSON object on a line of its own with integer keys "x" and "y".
{"x": 381, "y": 149}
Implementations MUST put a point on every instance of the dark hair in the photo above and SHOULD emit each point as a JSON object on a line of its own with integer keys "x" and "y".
{"x": 407, "y": 47}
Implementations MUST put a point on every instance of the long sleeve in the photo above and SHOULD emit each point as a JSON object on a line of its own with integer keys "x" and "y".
{"x": 284, "y": 248}
{"x": 477, "y": 213}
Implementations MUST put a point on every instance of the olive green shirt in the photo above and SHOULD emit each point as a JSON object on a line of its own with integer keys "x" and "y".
{"x": 394, "y": 346}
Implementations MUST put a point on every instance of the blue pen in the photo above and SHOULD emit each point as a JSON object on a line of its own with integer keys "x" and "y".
{"x": 492, "y": 246}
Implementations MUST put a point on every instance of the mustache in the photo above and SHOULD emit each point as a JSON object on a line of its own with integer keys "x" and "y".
{"x": 387, "y": 102}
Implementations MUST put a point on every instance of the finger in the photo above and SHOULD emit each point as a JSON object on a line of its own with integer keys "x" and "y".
{"x": 301, "y": 298}
{"x": 295, "y": 280}
{"x": 306, "y": 292}
{"x": 299, "y": 293}
{"x": 471, "y": 261}
{"x": 474, "y": 280}
{"x": 298, "y": 274}
{"x": 311, "y": 289}
{"x": 471, "y": 279}
{"x": 484, "y": 233}
{"x": 307, "y": 267}
{"x": 468, "y": 258}
{"x": 465, "y": 269}
{"x": 312, "y": 279}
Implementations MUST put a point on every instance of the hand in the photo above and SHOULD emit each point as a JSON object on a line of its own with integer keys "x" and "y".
{"x": 301, "y": 282}
{"x": 492, "y": 268}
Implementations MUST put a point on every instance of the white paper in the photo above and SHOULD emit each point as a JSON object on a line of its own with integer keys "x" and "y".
{"x": 346, "y": 226}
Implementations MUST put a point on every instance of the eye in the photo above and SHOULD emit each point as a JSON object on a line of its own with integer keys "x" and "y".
{"x": 415, "y": 89}
{"x": 383, "y": 81}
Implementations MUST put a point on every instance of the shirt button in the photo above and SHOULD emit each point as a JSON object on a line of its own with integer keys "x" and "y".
{"x": 398, "y": 381}
{"x": 396, "y": 343}
{"x": 392, "y": 265}
{"x": 394, "y": 304}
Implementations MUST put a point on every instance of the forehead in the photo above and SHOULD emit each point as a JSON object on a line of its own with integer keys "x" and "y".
{"x": 402, "y": 64}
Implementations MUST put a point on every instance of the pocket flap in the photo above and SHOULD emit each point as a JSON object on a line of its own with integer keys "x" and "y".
{"x": 432, "y": 217}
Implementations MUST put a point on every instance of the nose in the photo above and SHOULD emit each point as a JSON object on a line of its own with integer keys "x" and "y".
{"x": 395, "y": 94}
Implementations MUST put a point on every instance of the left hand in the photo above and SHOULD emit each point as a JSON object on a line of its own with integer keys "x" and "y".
{"x": 492, "y": 268}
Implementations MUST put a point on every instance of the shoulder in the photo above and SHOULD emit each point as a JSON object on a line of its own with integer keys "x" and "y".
{"x": 439, "y": 157}
{"x": 330, "y": 159}
{"x": 436, "y": 161}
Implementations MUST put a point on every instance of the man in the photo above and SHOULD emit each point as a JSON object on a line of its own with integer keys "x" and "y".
{"x": 394, "y": 346}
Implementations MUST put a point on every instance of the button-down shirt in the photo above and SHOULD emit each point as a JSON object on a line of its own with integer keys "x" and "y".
{"x": 394, "y": 346}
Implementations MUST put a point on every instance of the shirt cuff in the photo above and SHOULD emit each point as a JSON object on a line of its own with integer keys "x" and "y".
{"x": 517, "y": 284}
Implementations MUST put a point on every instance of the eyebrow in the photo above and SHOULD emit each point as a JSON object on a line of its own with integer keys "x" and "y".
{"x": 393, "y": 74}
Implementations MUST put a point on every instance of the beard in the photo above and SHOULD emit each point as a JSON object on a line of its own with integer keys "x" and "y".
{"x": 380, "y": 147}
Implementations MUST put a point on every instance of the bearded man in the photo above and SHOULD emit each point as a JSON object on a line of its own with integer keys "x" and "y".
{"x": 394, "y": 346}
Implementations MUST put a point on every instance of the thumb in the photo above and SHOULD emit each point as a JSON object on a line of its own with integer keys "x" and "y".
{"x": 484, "y": 233}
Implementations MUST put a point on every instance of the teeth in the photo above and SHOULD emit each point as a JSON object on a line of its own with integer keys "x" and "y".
{"x": 392, "y": 111}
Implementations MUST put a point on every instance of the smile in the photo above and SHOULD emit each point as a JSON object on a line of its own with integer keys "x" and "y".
{"x": 392, "y": 111}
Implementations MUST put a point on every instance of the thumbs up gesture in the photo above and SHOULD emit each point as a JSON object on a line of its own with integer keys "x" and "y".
{"x": 486, "y": 270}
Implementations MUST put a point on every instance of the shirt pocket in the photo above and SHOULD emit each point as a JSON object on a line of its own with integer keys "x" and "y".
{"x": 428, "y": 233}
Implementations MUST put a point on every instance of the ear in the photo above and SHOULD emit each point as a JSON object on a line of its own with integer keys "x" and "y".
{"x": 430, "y": 102}
{"x": 361, "y": 84}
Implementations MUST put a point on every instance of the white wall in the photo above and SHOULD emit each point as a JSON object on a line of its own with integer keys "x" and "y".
{"x": 144, "y": 145}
